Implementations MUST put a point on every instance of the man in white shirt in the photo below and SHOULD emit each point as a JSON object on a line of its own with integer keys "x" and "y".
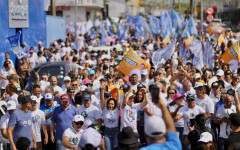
{"x": 144, "y": 78}
{"x": 7, "y": 70}
{"x": 53, "y": 82}
{"x": 72, "y": 135}
{"x": 188, "y": 113}
{"x": 204, "y": 101}
{"x": 38, "y": 121}
{"x": 32, "y": 57}
{"x": 91, "y": 113}
{"x": 12, "y": 93}
{"x": 11, "y": 107}
{"x": 222, "y": 118}
{"x": 133, "y": 82}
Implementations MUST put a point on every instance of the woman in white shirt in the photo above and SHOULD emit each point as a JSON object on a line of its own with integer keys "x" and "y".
{"x": 129, "y": 110}
{"x": 110, "y": 112}
{"x": 171, "y": 91}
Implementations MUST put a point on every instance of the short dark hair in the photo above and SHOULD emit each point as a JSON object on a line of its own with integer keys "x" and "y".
{"x": 36, "y": 86}
{"x": 23, "y": 143}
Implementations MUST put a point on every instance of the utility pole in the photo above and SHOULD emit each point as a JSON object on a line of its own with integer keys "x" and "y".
{"x": 201, "y": 16}
{"x": 179, "y": 5}
{"x": 53, "y": 7}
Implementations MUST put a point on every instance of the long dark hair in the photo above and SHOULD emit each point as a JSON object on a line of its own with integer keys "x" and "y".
{"x": 135, "y": 99}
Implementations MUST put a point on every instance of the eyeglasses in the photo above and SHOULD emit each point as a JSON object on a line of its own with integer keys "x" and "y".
{"x": 66, "y": 81}
{"x": 71, "y": 92}
{"x": 79, "y": 123}
{"x": 74, "y": 84}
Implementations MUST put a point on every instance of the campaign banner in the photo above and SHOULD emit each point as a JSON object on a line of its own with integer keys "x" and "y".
{"x": 133, "y": 64}
{"x": 232, "y": 56}
{"x": 160, "y": 56}
{"x": 15, "y": 45}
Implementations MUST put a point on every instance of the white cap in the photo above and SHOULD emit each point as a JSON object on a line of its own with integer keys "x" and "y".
{"x": 78, "y": 118}
{"x": 82, "y": 88}
{"x": 205, "y": 137}
{"x": 197, "y": 75}
{"x": 11, "y": 105}
{"x": 34, "y": 98}
{"x": 154, "y": 126}
{"x": 144, "y": 72}
{"x": 66, "y": 78}
{"x": 220, "y": 72}
{"x": 80, "y": 67}
{"x": 90, "y": 136}
{"x": 198, "y": 84}
{"x": 131, "y": 94}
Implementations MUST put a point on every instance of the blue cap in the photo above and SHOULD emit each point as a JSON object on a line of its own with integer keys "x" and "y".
{"x": 86, "y": 97}
{"x": 91, "y": 72}
{"x": 119, "y": 58}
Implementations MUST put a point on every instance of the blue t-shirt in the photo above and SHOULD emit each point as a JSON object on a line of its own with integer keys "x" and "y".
{"x": 48, "y": 110}
{"x": 63, "y": 119}
{"x": 172, "y": 143}
{"x": 22, "y": 123}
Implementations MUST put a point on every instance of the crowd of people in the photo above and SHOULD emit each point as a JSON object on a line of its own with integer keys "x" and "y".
{"x": 174, "y": 106}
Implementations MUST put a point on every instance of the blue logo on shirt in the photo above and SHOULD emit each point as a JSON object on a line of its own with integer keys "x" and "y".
{"x": 84, "y": 114}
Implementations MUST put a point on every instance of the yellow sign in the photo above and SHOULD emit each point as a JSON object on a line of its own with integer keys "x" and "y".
{"x": 231, "y": 56}
{"x": 132, "y": 63}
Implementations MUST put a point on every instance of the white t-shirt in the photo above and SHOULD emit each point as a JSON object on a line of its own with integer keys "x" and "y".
{"x": 154, "y": 109}
{"x": 96, "y": 101}
{"x": 110, "y": 117}
{"x": 59, "y": 89}
{"x": 14, "y": 98}
{"x": 225, "y": 129}
{"x": 129, "y": 116}
{"x": 33, "y": 61}
{"x": 38, "y": 118}
{"x": 208, "y": 105}
{"x": 189, "y": 113}
{"x": 90, "y": 114}
{"x": 4, "y": 125}
{"x": 5, "y": 73}
{"x": 73, "y": 135}
{"x": 180, "y": 122}
{"x": 41, "y": 60}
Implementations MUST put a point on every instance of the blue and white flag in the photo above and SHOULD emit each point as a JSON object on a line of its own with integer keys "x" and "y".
{"x": 107, "y": 23}
{"x": 196, "y": 49}
{"x": 104, "y": 35}
{"x": 96, "y": 22}
{"x": 15, "y": 45}
{"x": 88, "y": 25}
{"x": 208, "y": 53}
{"x": 160, "y": 56}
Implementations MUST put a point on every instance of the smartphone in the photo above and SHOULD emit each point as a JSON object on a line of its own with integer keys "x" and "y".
{"x": 155, "y": 94}
{"x": 106, "y": 88}
{"x": 192, "y": 122}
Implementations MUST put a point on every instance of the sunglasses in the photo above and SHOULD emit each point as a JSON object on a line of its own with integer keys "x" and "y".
{"x": 66, "y": 81}
{"x": 74, "y": 84}
{"x": 170, "y": 93}
{"x": 71, "y": 92}
{"x": 44, "y": 78}
{"x": 79, "y": 123}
